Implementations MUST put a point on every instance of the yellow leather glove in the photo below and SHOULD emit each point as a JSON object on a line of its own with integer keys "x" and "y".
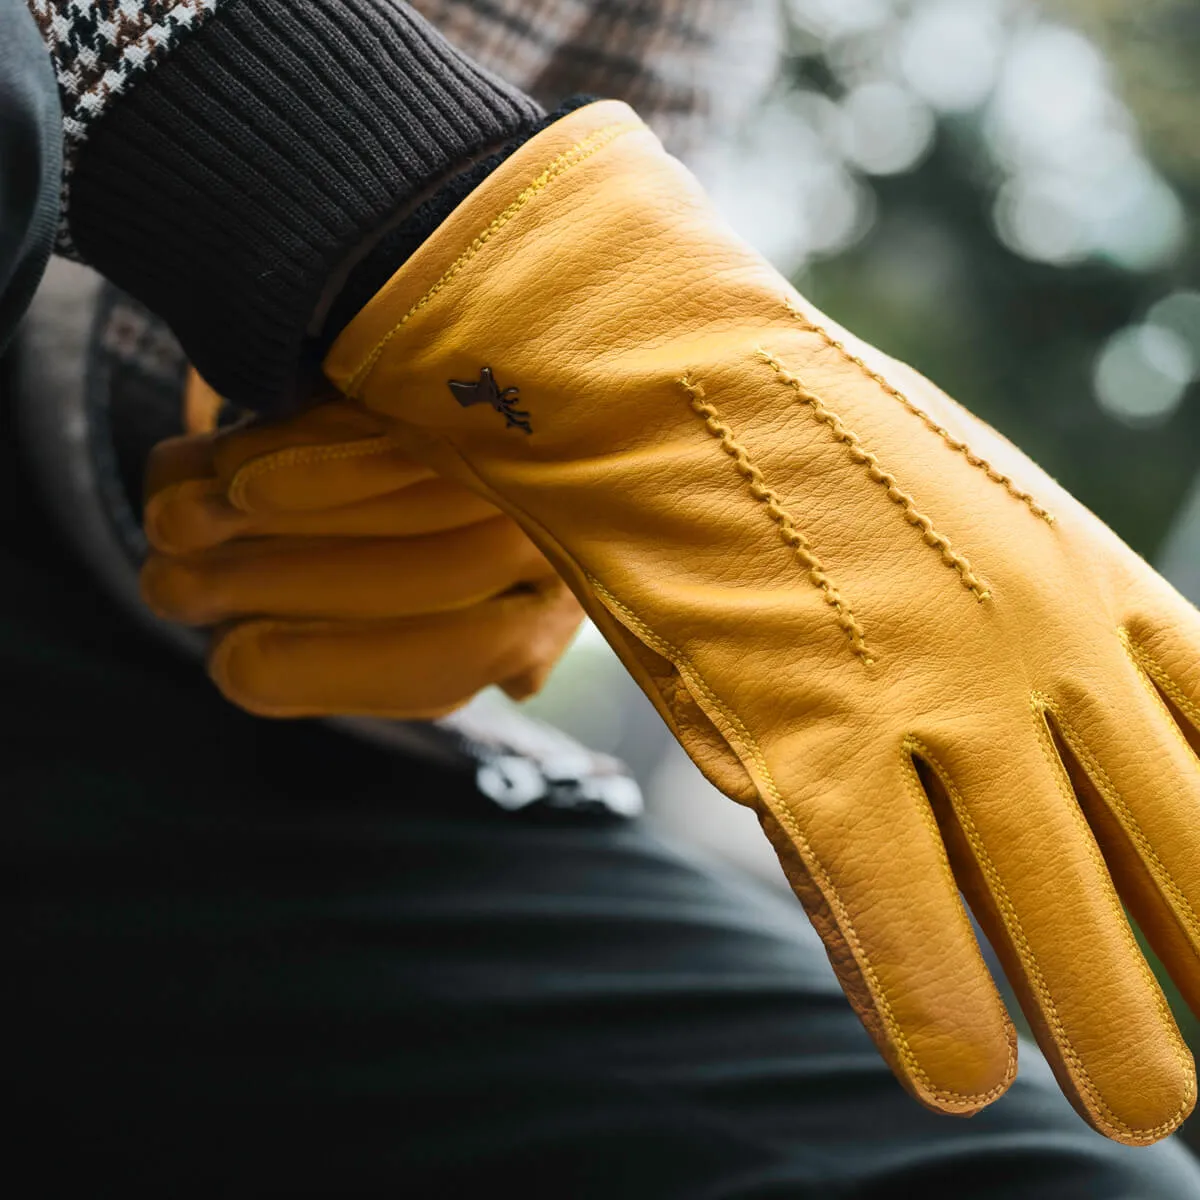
{"x": 861, "y": 611}
{"x": 335, "y": 594}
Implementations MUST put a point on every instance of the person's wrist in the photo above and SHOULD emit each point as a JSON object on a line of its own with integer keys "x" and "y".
{"x": 260, "y": 158}
{"x": 373, "y": 263}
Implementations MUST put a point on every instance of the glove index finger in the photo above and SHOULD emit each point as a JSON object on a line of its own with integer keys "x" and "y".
{"x": 176, "y": 460}
{"x": 192, "y": 515}
{"x": 276, "y": 469}
{"x": 897, "y": 934}
{"x": 415, "y": 668}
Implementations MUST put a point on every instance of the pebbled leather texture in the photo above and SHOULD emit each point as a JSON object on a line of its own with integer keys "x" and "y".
{"x": 861, "y": 611}
{"x": 342, "y": 577}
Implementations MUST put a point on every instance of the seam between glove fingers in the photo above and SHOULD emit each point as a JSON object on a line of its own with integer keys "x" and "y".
{"x": 861, "y": 455}
{"x": 785, "y": 816}
{"x": 959, "y": 447}
{"x": 916, "y": 791}
{"x": 784, "y": 521}
{"x": 576, "y": 154}
{"x": 1103, "y": 781}
{"x": 1145, "y": 663}
{"x": 1039, "y": 703}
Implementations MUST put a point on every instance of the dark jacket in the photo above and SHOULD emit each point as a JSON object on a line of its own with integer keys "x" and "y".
{"x": 30, "y": 161}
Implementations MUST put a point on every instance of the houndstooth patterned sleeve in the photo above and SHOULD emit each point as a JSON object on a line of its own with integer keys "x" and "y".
{"x": 98, "y": 49}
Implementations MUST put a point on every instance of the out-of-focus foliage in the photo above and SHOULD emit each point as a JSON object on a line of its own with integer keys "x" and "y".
{"x": 965, "y": 183}
{"x": 1154, "y": 45}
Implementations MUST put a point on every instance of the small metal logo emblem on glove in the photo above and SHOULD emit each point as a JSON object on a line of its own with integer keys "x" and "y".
{"x": 486, "y": 391}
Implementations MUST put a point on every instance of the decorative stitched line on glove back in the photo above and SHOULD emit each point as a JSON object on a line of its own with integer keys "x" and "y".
{"x": 889, "y": 389}
{"x": 784, "y": 521}
{"x": 860, "y": 454}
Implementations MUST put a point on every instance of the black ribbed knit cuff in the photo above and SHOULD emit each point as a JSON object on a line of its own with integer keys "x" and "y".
{"x": 235, "y": 179}
{"x": 398, "y": 244}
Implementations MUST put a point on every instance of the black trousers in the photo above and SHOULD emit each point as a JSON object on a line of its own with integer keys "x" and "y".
{"x": 255, "y": 959}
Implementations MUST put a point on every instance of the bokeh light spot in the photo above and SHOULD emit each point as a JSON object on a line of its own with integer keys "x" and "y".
{"x": 1141, "y": 374}
{"x": 887, "y": 129}
{"x": 949, "y": 52}
{"x": 839, "y": 18}
{"x": 1180, "y": 313}
{"x": 1035, "y": 218}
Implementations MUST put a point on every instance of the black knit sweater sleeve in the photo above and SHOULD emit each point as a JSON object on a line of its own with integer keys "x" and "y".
{"x": 231, "y": 162}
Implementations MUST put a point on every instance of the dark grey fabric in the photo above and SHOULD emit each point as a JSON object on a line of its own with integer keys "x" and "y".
{"x": 30, "y": 162}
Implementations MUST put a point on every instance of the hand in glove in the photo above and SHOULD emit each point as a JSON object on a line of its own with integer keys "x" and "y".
{"x": 862, "y": 612}
{"x": 343, "y": 577}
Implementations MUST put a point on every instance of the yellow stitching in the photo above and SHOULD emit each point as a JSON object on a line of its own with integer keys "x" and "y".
{"x": 1142, "y": 659}
{"x": 783, "y": 814}
{"x": 1013, "y": 923}
{"x": 960, "y": 447}
{"x": 917, "y": 791}
{"x": 1108, "y": 790}
{"x": 564, "y": 162}
{"x": 784, "y": 521}
{"x": 1040, "y": 704}
{"x": 888, "y": 482}
{"x": 302, "y": 456}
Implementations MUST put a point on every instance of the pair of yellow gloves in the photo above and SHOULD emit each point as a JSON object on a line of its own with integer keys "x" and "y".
{"x": 863, "y": 613}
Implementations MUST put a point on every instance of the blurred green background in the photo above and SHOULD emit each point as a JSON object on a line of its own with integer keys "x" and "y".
{"x": 1005, "y": 193}
{"x": 1001, "y": 193}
